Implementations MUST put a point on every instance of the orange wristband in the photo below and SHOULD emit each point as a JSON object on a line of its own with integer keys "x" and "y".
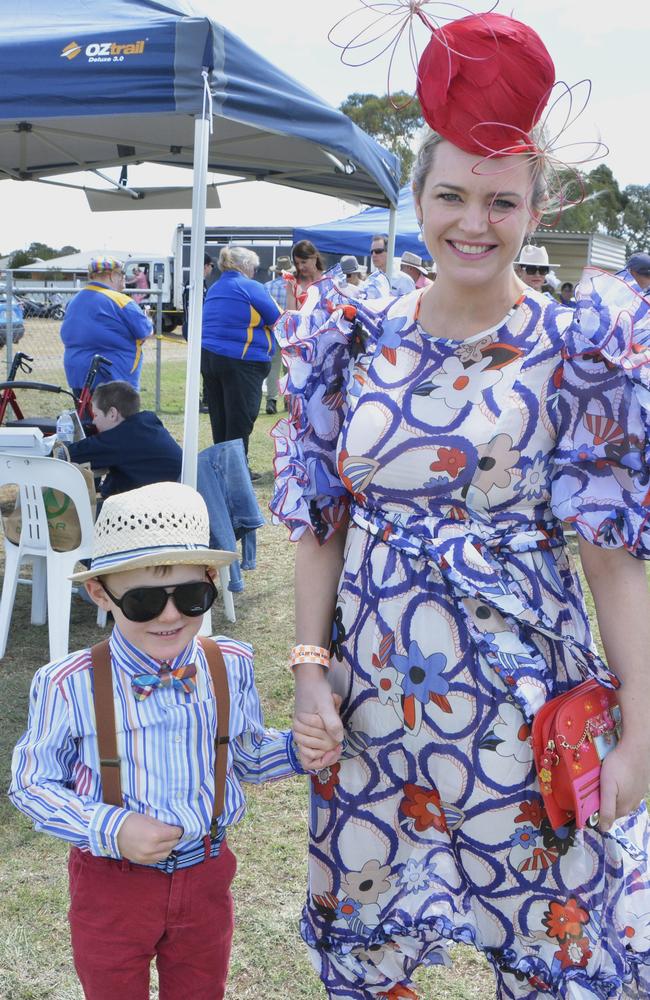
{"x": 309, "y": 654}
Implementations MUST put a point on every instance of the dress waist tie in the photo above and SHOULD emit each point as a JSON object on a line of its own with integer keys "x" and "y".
{"x": 470, "y": 566}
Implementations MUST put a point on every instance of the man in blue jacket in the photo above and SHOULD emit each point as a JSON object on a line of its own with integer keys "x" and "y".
{"x": 101, "y": 319}
{"x": 132, "y": 444}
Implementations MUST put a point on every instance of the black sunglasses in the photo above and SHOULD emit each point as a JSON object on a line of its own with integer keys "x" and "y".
{"x": 143, "y": 604}
{"x": 378, "y": 250}
{"x": 535, "y": 269}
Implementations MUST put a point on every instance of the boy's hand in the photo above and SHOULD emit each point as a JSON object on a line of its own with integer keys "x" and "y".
{"x": 316, "y": 747}
{"x": 145, "y": 840}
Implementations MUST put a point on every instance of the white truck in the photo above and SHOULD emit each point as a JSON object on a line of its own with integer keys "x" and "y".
{"x": 171, "y": 273}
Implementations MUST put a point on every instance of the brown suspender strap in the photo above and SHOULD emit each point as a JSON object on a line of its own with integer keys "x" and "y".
{"x": 109, "y": 762}
{"x": 217, "y": 668}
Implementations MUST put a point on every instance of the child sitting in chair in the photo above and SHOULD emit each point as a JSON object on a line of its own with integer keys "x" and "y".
{"x": 133, "y": 444}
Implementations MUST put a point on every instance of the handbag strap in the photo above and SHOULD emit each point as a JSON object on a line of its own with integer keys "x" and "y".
{"x": 217, "y": 668}
{"x": 109, "y": 761}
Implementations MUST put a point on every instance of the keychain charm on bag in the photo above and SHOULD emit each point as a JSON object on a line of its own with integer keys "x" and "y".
{"x": 571, "y": 736}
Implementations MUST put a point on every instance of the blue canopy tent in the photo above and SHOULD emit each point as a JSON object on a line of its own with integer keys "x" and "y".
{"x": 353, "y": 234}
{"x": 87, "y": 86}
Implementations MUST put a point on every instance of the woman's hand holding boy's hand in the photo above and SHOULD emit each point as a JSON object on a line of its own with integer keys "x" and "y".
{"x": 145, "y": 840}
{"x": 318, "y": 748}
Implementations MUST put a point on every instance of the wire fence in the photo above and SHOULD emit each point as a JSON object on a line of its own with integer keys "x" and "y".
{"x": 39, "y": 336}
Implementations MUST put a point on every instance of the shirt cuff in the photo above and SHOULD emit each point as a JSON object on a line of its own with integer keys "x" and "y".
{"x": 105, "y": 824}
{"x": 293, "y": 755}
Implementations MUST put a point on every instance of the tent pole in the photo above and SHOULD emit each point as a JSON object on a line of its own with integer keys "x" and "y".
{"x": 197, "y": 251}
{"x": 392, "y": 229}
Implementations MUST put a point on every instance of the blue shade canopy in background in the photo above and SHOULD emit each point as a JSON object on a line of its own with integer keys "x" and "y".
{"x": 89, "y": 85}
{"x": 353, "y": 235}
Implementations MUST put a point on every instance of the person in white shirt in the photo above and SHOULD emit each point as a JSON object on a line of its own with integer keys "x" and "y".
{"x": 400, "y": 284}
{"x": 413, "y": 267}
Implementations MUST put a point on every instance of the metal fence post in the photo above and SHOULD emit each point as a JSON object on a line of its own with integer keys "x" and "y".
{"x": 9, "y": 318}
{"x": 159, "y": 305}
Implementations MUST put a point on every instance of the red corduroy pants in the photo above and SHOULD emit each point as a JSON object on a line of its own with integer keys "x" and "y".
{"x": 123, "y": 916}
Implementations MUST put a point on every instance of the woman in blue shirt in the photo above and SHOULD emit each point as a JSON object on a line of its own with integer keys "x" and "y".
{"x": 237, "y": 345}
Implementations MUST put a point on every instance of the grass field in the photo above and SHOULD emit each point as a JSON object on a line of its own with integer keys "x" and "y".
{"x": 269, "y": 961}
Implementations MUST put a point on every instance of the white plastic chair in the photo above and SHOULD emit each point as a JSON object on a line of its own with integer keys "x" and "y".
{"x": 51, "y": 584}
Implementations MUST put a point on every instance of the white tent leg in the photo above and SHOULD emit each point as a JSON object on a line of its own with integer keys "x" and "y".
{"x": 392, "y": 229}
{"x": 197, "y": 250}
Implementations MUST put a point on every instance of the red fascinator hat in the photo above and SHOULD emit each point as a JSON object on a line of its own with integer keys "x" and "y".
{"x": 483, "y": 82}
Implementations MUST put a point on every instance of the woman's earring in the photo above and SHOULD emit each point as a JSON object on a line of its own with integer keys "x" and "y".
{"x": 420, "y": 236}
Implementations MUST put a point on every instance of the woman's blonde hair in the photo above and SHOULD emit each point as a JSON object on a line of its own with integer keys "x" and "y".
{"x": 238, "y": 259}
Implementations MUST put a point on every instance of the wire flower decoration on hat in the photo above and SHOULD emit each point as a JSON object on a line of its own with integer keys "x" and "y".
{"x": 483, "y": 82}
{"x": 394, "y": 20}
{"x": 552, "y": 150}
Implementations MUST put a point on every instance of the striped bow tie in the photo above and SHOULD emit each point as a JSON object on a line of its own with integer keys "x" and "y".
{"x": 181, "y": 678}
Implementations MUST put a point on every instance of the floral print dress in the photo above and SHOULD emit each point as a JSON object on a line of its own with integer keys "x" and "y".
{"x": 459, "y": 613}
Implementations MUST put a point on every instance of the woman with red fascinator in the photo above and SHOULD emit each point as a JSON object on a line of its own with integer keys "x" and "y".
{"x": 435, "y": 446}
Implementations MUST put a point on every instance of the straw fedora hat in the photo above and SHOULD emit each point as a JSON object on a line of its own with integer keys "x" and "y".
{"x": 164, "y": 524}
{"x": 534, "y": 255}
{"x": 413, "y": 260}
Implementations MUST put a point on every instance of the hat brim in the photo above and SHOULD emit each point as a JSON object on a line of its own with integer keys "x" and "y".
{"x": 529, "y": 263}
{"x": 213, "y": 558}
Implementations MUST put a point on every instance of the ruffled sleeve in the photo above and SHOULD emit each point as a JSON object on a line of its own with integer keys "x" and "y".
{"x": 601, "y": 475}
{"x": 324, "y": 347}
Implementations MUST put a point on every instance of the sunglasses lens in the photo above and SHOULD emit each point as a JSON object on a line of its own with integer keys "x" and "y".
{"x": 534, "y": 269}
{"x": 194, "y": 599}
{"x": 142, "y": 604}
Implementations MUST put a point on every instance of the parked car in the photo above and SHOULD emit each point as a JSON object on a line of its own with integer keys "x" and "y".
{"x": 18, "y": 325}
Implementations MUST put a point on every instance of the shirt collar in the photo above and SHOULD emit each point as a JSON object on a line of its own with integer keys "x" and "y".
{"x": 134, "y": 661}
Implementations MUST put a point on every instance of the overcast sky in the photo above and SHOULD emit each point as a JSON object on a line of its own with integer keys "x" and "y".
{"x": 599, "y": 39}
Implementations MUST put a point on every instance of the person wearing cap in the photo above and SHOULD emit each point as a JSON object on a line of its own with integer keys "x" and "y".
{"x": 638, "y": 266}
{"x": 180, "y": 719}
{"x": 533, "y": 268}
{"x": 412, "y": 266}
{"x": 441, "y": 440}
{"x": 278, "y": 289}
{"x": 102, "y": 319}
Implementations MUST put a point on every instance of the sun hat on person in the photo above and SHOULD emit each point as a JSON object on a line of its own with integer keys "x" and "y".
{"x": 534, "y": 256}
{"x": 281, "y": 264}
{"x": 639, "y": 263}
{"x": 350, "y": 265}
{"x": 163, "y": 524}
{"x": 98, "y": 264}
{"x": 413, "y": 260}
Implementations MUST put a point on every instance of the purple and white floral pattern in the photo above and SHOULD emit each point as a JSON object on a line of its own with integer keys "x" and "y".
{"x": 458, "y": 614}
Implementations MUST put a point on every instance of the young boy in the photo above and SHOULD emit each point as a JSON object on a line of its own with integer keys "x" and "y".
{"x": 131, "y": 443}
{"x": 150, "y": 876}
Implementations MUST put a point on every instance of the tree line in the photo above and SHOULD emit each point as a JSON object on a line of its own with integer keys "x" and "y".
{"x": 605, "y": 207}
{"x": 37, "y": 251}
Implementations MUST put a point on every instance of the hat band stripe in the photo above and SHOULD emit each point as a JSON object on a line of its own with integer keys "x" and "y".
{"x": 100, "y": 562}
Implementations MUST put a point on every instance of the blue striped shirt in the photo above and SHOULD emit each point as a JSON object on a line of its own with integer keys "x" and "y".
{"x": 165, "y": 743}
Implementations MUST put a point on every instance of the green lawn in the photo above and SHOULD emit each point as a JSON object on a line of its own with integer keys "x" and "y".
{"x": 269, "y": 961}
